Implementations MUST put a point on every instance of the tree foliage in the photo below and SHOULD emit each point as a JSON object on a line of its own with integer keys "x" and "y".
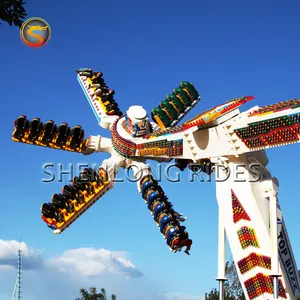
{"x": 233, "y": 284}
{"x": 12, "y": 12}
{"x": 93, "y": 294}
{"x": 214, "y": 295}
{"x": 232, "y": 288}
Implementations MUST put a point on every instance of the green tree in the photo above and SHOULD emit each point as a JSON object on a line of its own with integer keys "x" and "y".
{"x": 214, "y": 294}
{"x": 92, "y": 294}
{"x": 12, "y": 12}
{"x": 232, "y": 288}
{"x": 233, "y": 283}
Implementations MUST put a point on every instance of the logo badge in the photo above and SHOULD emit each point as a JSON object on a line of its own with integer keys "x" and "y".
{"x": 35, "y": 32}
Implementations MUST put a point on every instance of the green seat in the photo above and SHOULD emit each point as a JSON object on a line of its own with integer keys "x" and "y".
{"x": 190, "y": 88}
{"x": 161, "y": 115}
{"x": 176, "y": 101}
{"x": 170, "y": 109}
{"x": 184, "y": 96}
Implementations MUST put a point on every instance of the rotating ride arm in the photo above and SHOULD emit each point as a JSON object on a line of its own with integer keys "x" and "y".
{"x": 238, "y": 133}
{"x": 76, "y": 198}
{"x": 58, "y": 137}
{"x": 99, "y": 96}
{"x": 166, "y": 218}
{"x": 50, "y": 135}
{"x": 195, "y": 139}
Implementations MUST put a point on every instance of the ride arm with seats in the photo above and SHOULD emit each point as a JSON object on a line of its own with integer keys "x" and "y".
{"x": 50, "y": 135}
{"x": 99, "y": 96}
{"x": 166, "y": 218}
{"x": 176, "y": 106}
{"x": 61, "y": 137}
{"x": 77, "y": 197}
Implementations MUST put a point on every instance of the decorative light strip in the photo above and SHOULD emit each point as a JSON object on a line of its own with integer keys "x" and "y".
{"x": 238, "y": 210}
{"x": 274, "y": 131}
{"x": 123, "y": 146}
{"x": 254, "y": 260}
{"x": 161, "y": 147}
{"x": 261, "y": 284}
{"x": 276, "y": 107}
{"x": 247, "y": 237}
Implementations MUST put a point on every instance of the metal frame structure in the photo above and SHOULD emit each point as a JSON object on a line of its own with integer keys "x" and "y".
{"x": 222, "y": 140}
{"x": 17, "y": 294}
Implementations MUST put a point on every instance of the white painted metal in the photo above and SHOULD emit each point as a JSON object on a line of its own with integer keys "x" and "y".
{"x": 234, "y": 171}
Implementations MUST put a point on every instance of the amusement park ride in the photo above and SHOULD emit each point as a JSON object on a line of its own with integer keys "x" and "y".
{"x": 218, "y": 140}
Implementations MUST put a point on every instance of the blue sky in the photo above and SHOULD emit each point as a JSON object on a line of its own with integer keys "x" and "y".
{"x": 227, "y": 49}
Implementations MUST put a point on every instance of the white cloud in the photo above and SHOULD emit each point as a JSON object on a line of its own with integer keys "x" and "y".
{"x": 31, "y": 258}
{"x": 94, "y": 262}
{"x": 86, "y": 262}
{"x": 76, "y": 268}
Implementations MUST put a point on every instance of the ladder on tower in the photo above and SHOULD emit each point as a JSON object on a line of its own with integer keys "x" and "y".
{"x": 17, "y": 294}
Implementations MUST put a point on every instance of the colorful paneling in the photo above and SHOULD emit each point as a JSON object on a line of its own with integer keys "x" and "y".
{"x": 238, "y": 210}
{"x": 274, "y": 131}
{"x": 161, "y": 147}
{"x": 247, "y": 237}
{"x": 254, "y": 260}
{"x": 128, "y": 148}
{"x": 123, "y": 146}
{"x": 261, "y": 284}
{"x": 170, "y": 130}
{"x": 212, "y": 114}
{"x": 276, "y": 107}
